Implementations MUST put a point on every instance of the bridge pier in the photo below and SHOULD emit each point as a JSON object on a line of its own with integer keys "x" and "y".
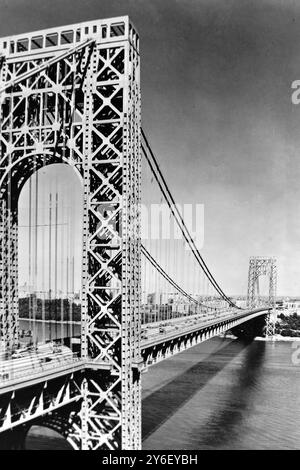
{"x": 96, "y": 78}
{"x": 111, "y": 324}
{"x": 259, "y": 266}
{"x": 270, "y": 323}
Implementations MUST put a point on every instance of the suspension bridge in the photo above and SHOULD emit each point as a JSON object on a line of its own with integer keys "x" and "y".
{"x": 70, "y": 99}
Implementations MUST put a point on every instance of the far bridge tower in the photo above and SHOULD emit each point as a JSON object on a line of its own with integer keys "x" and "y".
{"x": 259, "y": 266}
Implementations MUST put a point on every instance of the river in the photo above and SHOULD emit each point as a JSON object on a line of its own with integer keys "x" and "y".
{"x": 51, "y": 330}
{"x": 222, "y": 394}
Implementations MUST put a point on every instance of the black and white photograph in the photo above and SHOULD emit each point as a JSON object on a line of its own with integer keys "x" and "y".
{"x": 149, "y": 227}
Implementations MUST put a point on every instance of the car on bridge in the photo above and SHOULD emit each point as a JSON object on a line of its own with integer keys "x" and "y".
{"x": 144, "y": 334}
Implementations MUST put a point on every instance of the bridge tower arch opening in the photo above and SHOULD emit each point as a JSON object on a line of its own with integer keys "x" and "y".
{"x": 72, "y": 95}
{"x": 263, "y": 266}
{"x": 49, "y": 257}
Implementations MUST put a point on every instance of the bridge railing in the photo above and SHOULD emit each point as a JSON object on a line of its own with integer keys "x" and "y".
{"x": 183, "y": 323}
{"x": 34, "y": 364}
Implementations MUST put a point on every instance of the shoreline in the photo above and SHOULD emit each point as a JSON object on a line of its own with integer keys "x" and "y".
{"x": 275, "y": 338}
{"x": 279, "y": 338}
{"x": 40, "y": 320}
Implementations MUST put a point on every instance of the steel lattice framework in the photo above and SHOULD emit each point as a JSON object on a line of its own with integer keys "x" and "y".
{"x": 72, "y": 95}
{"x": 259, "y": 266}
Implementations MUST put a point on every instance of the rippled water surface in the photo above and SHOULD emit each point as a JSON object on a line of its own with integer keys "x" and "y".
{"x": 222, "y": 394}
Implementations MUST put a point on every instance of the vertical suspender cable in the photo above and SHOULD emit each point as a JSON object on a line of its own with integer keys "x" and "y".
{"x": 72, "y": 272}
{"x": 62, "y": 252}
{"x": 35, "y": 326}
{"x": 50, "y": 265}
{"x": 73, "y": 286}
{"x": 29, "y": 252}
{"x": 70, "y": 300}
{"x": 55, "y": 264}
{"x": 43, "y": 274}
{"x": 68, "y": 334}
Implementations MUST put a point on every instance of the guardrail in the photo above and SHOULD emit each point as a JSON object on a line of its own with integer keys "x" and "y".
{"x": 13, "y": 369}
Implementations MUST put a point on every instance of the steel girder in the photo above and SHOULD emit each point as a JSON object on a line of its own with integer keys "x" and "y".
{"x": 163, "y": 348}
{"x": 62, "y": 420}
{"x": 83, "y": 110}
{"x": 22, "y": 406}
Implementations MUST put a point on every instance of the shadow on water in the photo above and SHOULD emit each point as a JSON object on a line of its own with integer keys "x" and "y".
{"x": 163, "y": 403}
{"x": 224, "y": 425}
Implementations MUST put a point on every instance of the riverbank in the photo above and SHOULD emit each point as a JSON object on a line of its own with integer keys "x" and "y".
{"x": 266, "y": 338}
{"x": 278, "y": 338}
{"x": 40, "y": 320}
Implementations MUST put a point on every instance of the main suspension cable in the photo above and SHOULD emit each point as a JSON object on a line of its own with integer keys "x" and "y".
{"x": 179, "y": 220}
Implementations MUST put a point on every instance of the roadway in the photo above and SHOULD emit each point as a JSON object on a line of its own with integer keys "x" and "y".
{"x": 25, "y": 368}
{"x": 183, "y": 325}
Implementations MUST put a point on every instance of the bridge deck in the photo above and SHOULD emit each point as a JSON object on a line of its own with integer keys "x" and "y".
{"x": 157, "y": 337}
{"x": 25, "y": 372}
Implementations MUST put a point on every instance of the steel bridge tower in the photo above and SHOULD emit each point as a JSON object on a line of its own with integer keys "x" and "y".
{"x": 71, "y": 95}
{"x": 259, "y": 266}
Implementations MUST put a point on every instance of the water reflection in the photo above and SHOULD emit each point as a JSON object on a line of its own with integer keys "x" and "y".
{"x": 225, "y": 423}
{"x": 163, "y": 403}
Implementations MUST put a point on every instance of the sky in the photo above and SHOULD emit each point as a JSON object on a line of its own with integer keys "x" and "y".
{"x": 59, "y": 253}
{"x": 216, "y": 105}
